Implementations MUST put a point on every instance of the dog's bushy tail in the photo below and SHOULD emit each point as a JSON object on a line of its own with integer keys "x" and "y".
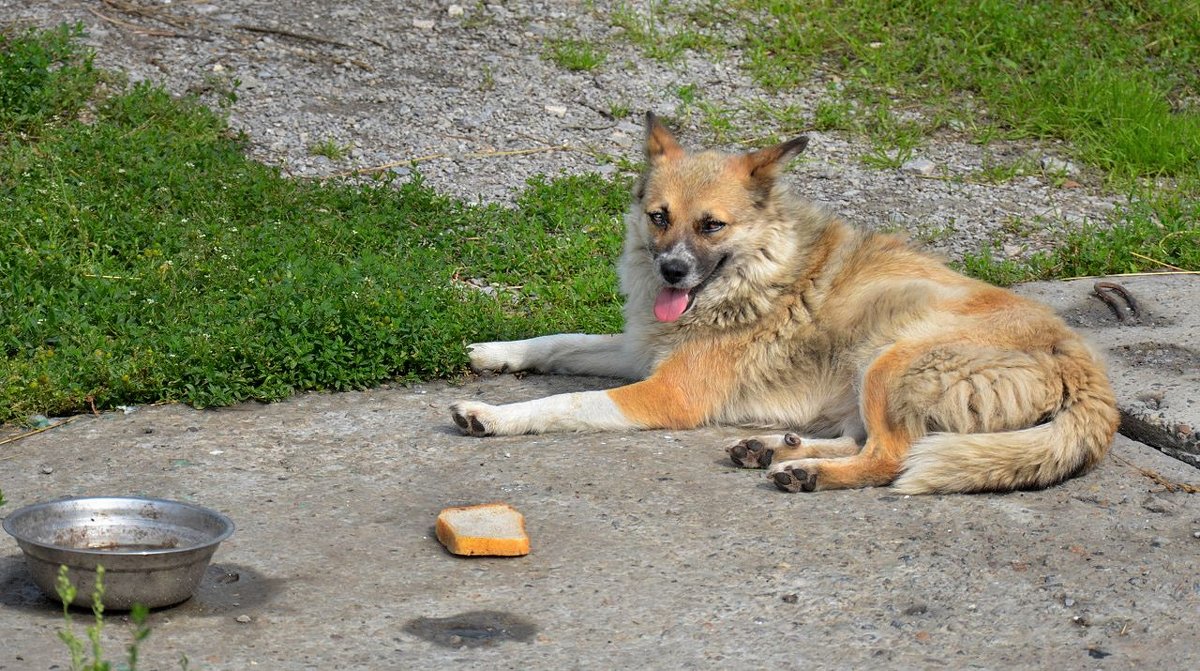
{"x": 1074, "y": 440}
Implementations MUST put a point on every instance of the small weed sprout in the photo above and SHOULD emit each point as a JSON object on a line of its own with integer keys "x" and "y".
{"x": 619, "y": 110}
{"x": 488, "y": 80}
{"x": 575, "y": 55}
{"x": 77, "y": 648}
{"x": 688, "y": 94}
{"x": 330, "y": 149}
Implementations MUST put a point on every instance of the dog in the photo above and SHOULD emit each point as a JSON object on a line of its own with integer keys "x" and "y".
{"x": 747, "y": 305}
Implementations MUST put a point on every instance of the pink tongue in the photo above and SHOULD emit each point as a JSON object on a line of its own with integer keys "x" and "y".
{"x": 670, "y": 304}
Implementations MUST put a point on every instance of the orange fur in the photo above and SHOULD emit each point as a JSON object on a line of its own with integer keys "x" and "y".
{"x": 681, "y": 394}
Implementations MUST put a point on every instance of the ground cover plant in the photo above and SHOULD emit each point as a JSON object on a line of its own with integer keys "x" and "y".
{"x": 144, "y": 258}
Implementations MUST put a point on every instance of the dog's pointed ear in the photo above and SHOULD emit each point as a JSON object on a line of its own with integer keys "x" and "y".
{"x": 763, "y": 166}
{"x": 660, "y": 144}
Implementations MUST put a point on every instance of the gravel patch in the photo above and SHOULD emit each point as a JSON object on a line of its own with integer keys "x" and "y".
{"x": 463, "y": 89}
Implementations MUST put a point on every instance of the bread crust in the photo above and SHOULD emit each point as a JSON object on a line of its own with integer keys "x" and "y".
{"x": 459, "y": 542}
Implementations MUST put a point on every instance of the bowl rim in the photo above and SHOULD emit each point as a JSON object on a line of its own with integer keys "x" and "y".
{"x": 227, "y": 524}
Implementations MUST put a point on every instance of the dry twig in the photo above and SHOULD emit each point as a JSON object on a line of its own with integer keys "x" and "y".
{"x": 1149, "y": 274}
{"x": 152, "y": 13}
{"x": 141, "y": 30}
{"x": 1161, "y": 263}
{"x": 27, "y": 434}
{"x": 1158, "y": 478}
{"x": 287, "y": 33}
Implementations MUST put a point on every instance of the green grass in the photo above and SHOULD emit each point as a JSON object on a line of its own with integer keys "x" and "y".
{"x": 1114, "y": 79}
{"x": 144, "y": 258}
{"x": 575, "y": 55}
{"x": 1157, "y": 231}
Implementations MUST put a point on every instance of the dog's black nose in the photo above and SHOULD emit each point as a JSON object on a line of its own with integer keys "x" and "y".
{"x": 673, "y": 270}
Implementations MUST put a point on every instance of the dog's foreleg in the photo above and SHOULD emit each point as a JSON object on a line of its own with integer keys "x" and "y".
{"x": 682, "y": 393}
{"x": 566, "y": 353}
{"x": 578, "y": 411}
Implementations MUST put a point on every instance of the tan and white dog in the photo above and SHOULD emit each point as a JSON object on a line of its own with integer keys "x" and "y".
{"x": 746, "y": 305}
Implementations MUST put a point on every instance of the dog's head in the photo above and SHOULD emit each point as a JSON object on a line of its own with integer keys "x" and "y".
{"x": 700, "y": 212}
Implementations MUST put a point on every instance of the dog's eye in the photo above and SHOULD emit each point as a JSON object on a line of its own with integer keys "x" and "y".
{"x": 658, "y": 218}
{"x": 711, "y": 226}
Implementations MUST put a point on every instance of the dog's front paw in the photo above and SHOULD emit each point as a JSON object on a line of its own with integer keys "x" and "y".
{"x": 493, "y": 357}
{"x": 750, "y": 453}
{"x": 473, "y": 418}
{"x": 760, "y": 451}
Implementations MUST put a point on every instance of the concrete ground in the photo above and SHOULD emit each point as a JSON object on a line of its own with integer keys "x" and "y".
{"x": 649, "y": 549}
{"x": 1153, "y": 351}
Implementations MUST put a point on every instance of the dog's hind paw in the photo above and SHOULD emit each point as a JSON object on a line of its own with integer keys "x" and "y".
{"x": 795, "y": 479}
{"x": 471, "y": 418}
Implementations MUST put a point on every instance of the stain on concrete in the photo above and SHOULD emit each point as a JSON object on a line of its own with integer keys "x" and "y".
{"x": 473, "y": 629}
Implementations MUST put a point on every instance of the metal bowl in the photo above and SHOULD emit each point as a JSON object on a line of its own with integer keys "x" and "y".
{"x": 154, "y": 551}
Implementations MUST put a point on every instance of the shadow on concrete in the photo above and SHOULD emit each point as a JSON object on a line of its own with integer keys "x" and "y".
{"x": 224, "y": 589}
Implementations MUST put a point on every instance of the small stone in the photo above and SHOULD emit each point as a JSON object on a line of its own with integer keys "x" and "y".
{"x": 557, "y": 110}
{"x": 919, "y": 166}
{"x": 242, "y": 619}
{"x": 791, "y": 598}
{"x": 423, "y": 24}
{"x": 455, "y": 10}
{"x": 1054, "y": 165}
{"x": 1011, "y": 251}
{"x": 39, "y": 421}
{"x": 1071, "y": 184}
{"x": 1068, "y": 602}
{"x": 1156, "y": 505}
{"x": 47, "y": 470}
{"x": 1196, "y": 534}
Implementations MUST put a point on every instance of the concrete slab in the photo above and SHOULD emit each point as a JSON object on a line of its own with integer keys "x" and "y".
{"x": 1154, "y": 357}
{"x": 649, "y": 550}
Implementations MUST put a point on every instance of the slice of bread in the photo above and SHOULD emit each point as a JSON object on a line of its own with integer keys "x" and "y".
{"x": 495, "y": 529}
